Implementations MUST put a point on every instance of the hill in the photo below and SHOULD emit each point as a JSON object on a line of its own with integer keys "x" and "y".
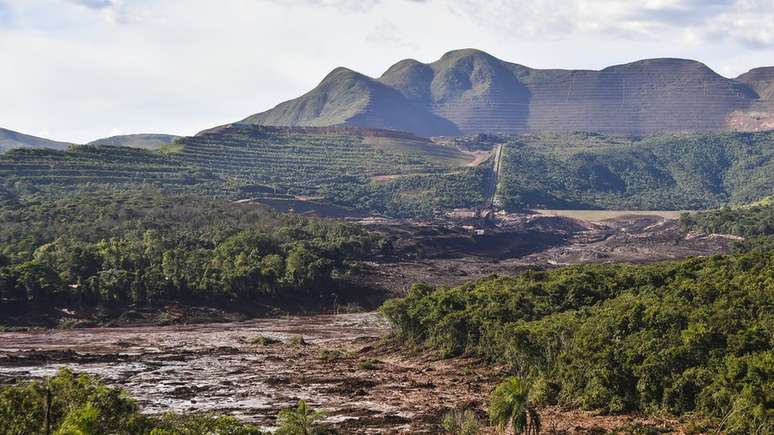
{"x": 661, "y": 172}
{"x": 147, "y": 141}
{"x": 469, "y": 91}
{"x": 403, "y": 175}
{"x": 284, "y": 164}
{"x": 10, "y": 139}
{"x": 348, "y": 98}
{"x": 43, "y": 170}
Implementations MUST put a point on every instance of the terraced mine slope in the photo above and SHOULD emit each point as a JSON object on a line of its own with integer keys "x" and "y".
{"x": 12, "y": 139}
{"x": 299, "y": 160}
{"x": 268, "y": 163}
{"x": 398, "y": 174}
{"x": 28, "y": 169}
{"x": 469, "y": 91}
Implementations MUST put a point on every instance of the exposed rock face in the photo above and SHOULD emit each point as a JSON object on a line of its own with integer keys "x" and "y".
{"x": 469, "y": 91}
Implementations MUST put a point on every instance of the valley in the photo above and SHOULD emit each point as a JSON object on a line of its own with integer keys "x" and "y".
{"x": 463, "y": 246}
{"x": 240, "y": 270}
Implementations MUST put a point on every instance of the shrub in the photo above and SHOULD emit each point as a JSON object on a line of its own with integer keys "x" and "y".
{"x": 301, "y": 420}
{"x": 370, "y": 364}
{"x": 460, "y": 422}
{"x": 510, "y": 406}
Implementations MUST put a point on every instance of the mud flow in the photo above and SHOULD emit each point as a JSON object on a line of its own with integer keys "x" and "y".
{"x": 231, "y": 368}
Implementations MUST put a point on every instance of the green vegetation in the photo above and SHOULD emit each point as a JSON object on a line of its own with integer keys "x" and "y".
{"x": 297, "y": 341}
{"x": 136, "y": 247}
{"x": 299, "y": 162}
{"x": 146, "y": 141}
{"x": 401, "y": 175}
{"x": 414, "y": 195}
{"x": 301, "y": 420}
{"x": 663, "y": 172}
{"x": 244, "y": 161}
{"x": 460, "y": 422}
{"x": 29, "y": 171}
{"x": 69, "y": 404}
{"x": 510, "y": 405}
{"x": 370, "y": 364}
{"x": 756, "y": 220}
{"x": 687, "y": 337}
{"x": 263, "y": 341}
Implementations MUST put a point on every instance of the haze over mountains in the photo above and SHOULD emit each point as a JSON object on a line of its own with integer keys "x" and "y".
{"x": 470, "y": 91}
{"x": 10, "y": 139}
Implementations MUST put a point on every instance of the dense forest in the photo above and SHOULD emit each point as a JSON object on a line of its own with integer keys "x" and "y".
{"x": 754, "y": 220}
{"x": 145, "y": 246}
{"x": 687, "y": 337}
{"x": 662, "y": 172}
{"x": 414, "y": 195}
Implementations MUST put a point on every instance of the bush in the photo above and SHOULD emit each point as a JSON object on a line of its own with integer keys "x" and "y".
{"x": 70, "y": 404}
{"x": 301, "y": 420}
{"x": 370, "y": 364}
{"x": 510, "y": 406}
{"x": 460, "y": 422}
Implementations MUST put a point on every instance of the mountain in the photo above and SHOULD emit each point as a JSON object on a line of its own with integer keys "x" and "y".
{"x": 349, "y": 98}
{"x": 10, "y": 139}
{"x": 146, "y": 141}
{"x": 469, "y": 91}
{"x": 761, "y": 80}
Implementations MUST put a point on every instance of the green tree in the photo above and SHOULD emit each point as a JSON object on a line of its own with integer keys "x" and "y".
{"x": 510, "y": 406}
{"x": 301, "y": 420}
{"x": 83, "y": 420}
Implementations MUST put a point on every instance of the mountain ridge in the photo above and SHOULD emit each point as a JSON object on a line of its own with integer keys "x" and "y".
{"x": 140, "y": 140}
{"x": 470, "y": 91}
{"x": 10, "y": 139}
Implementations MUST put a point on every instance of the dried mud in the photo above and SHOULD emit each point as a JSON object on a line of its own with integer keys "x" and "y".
{"x": 220, "y": 368}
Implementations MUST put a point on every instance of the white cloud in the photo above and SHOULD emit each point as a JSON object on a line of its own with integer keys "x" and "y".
{"x": 84, "y": 67}
{"x": 94, "y": 4}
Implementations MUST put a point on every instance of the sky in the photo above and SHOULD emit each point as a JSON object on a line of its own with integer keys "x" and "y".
{"x": 78, "y": 70}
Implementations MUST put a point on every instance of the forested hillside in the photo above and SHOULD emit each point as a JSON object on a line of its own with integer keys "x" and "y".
{"x": 663, "y": 172}
{"x": 690, "y": 337}
{"x": 754, "y": 220}
{"x": 136, "y": 247}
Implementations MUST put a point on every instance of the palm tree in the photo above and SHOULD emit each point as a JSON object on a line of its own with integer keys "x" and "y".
{"x": 301, "y": 420}
{"x": 510, "y": 406}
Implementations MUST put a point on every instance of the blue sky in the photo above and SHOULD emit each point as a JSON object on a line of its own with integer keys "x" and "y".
{"x": 77, "y": 70}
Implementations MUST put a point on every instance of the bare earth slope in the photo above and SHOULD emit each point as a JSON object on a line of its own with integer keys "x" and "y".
{"x": 469, "y": 91}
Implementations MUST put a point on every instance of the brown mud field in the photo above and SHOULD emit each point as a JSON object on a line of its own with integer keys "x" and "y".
{"x": 342, "y": 366}
{"x": 453, "y": 254}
